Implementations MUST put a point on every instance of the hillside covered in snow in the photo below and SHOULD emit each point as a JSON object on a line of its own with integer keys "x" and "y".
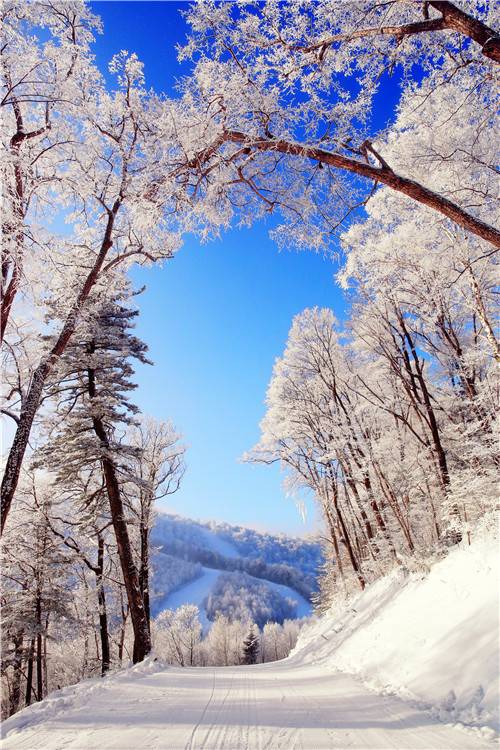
{"x": 430, "y": 637}
{"x": 410, "y": 664}
{"x": 231, "y": 570}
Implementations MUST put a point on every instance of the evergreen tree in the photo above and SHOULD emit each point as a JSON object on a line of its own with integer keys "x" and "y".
{"x": 251, "y": 647}
{"x": 92, "y": 390}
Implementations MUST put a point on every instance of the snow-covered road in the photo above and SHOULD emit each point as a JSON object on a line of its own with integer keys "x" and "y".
{"x": 265, "y": 707}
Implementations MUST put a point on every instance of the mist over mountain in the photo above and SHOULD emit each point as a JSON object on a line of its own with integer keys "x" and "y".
{"x": 236, "y": 571}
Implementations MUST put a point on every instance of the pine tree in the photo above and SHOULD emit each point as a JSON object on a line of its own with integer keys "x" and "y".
{"x": 251, "y": 647}
{"x": 93, "y": 395}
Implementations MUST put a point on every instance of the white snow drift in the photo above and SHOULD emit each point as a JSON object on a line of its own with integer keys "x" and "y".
{"x": 431, "y": 638}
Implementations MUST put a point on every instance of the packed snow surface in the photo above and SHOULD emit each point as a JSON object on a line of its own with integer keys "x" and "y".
{"x": 273, "y": 706}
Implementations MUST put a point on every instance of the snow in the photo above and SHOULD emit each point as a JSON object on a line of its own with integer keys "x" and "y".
{"x": 431, "y": 639}
{"x": 304, "y": 608}
{"x": 360, "y": 677}
{"x": 221, "y": 546}
{"x": 194, "y": 592}
{"x": 170, "y": 526}
{"x": 281, "y": 705}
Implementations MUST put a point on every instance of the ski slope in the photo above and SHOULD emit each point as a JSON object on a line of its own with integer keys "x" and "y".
{"x": 181, "y": 575}
{"x": 277, "y": 706}
{"x": 195, "y": 592}
{"x": 304, "y": 608}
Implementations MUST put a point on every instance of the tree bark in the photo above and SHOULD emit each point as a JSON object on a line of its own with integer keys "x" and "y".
{"x": 15, "y": 695}
{"x": 429, "y": 410}
{"x": 121, "y": 642}
{"x": 103, "y": 615}
{"x": 39, "y": 650}
{"x": 29, "y": 673}
{"x": 456, "y": 19}
{"x": 452, "y": 19}
{"x": 383, "y": 174}
{"x": 144, "y": 570}
{"x": 347, "y": 542}
{"x": 13, "y": 264}
{"x": 142, "y": 638}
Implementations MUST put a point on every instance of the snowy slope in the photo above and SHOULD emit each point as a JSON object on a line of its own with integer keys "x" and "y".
{"x": 304, "y": 608}
{"x": 428, "y": 638}
{"x": 188, "y": 538}
{"x": 278, "y": 706}
{"x": 218, "y": 544}
{"x": 191, "y": 555}
{"x": 196, "y": 592}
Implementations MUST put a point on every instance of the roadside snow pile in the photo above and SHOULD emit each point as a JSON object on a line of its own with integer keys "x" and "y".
{"x": 429, "y": 638}
{"x": 76, "y": 696}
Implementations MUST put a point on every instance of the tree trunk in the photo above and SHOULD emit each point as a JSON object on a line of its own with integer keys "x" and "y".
{"x": 39, "y": 651}
{"x": 103, "y": 615}
{"x": 144, "y": 571}
{"x": 142, "y": 638}
{"x": 429, "y": 410}
{"x": 452, "y": 19}
{"x": 29, "y": 673}
{"x": 121, "y": 642}
{"x": 15, "y": 695}
{"x": 382, "y": 174}
{"x": 347, "y": 543}
{"x": 456, "y": 20}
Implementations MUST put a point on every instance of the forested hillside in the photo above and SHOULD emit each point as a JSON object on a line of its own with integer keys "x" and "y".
{"x": 241, "y": 573}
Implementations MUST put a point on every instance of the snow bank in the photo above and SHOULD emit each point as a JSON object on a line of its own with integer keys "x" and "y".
{"x": 428, "y": 638}
{"x": 76, "y": 696}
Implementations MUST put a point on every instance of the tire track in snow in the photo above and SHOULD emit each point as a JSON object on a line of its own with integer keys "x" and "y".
{"x": 217, "y": 730}
{"x": 189, "y": 745}
{"x": 265, "y": 707}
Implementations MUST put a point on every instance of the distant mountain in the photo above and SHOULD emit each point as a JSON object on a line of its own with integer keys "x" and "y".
{"x": 233, "y": 570}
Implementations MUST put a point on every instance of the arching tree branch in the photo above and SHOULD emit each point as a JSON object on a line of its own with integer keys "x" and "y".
{"x": 382, "y": 174}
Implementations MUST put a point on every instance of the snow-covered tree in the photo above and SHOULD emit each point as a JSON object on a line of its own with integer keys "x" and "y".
{"x": 114, "y": 203}
{"x": 45, "y": 84}
{"x": 178, "y": 635}
{"x": 251, "y": 647}
{"x": 290, "y": 93}
{"x": 368, "y": 420}
{"x": 93, "y": 386}
{"x": 35, "y": 584}
{"x": 157, "y": 469}
{"x": 223, "y": 645}
{"x": 240, "y": 597}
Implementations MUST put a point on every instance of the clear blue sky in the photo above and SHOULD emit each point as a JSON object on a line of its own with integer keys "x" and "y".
{"x": 215, "y": 318}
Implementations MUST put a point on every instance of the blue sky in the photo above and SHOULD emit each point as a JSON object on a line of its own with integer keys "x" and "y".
{"x": 215, "y": 318}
